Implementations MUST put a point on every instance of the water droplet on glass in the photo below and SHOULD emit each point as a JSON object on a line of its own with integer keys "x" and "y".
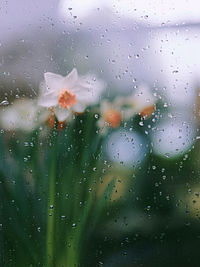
{"x": 4, "y": 103}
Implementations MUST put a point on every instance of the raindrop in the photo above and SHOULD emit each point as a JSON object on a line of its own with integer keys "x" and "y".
{"x": 165, "y": 105}
{"x": 4, "y": 103}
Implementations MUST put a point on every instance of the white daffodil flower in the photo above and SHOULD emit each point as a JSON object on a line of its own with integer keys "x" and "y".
{"x": 142, "y": 102}
{"x": 69, "y": 94}
{"x": 143, "y": 99}
{"x": 111, "y": 116}
{"x": 23, "y": 115}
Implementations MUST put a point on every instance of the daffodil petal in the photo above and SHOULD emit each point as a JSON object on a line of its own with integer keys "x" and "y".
{"x": 89, "y": 89}
{"x": 90, "y": 81}
{"x": 79, "y": 107}
{"x": 71, "y": 79}
{"x": 54, "y": 82}
{"x": 87, "y": 96}
{"x": 143, "y": 97}
{"x": 61, "y": 113}
{"x": 47, "y": 101}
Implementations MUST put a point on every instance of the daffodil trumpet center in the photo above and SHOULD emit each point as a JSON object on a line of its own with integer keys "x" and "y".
{"x": 66, "y": 99}
{"x": 147, "y": 111}
{"x": 113, "y": 118}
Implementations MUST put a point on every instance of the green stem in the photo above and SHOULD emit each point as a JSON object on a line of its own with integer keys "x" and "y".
{"x": 73, "y": 250}
{"x": 51, "y": 211}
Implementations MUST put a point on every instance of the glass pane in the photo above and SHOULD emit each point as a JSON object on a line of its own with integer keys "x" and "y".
{"x": 99, "y": 133}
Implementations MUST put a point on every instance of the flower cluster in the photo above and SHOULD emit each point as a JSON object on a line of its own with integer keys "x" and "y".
{"x": 123, "y": 108}
{"x": 60, "y": 98}
{"x": 24, "y": 115}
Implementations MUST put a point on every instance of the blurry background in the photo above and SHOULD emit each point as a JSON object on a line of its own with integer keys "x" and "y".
{"x": 126, "y": 43}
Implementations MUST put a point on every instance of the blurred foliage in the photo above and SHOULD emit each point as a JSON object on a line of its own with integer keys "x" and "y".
{"x": 151, "y": 217}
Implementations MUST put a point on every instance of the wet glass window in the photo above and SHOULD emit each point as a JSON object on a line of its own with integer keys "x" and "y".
{"x": 99, "y": 133}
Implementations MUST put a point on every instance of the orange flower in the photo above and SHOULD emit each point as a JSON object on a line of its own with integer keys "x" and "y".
{"x": 147, "y": 111}
{"x": 66, "y": 99}
{"x": 113, "y": 118}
